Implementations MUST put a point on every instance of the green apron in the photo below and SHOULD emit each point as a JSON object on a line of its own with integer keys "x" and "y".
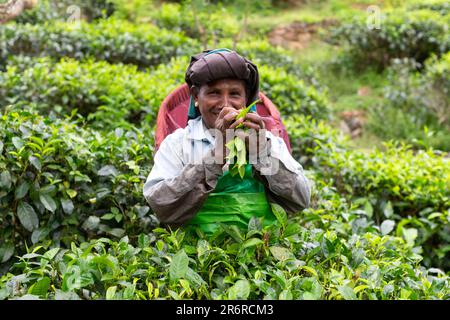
{"x": 234, "y": 201}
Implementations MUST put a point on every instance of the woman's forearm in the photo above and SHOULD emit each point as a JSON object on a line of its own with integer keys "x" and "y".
{"x": 175, "y": 201}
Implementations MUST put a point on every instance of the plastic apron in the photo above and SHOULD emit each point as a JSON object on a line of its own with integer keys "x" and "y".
{"x": 234, "y": 201}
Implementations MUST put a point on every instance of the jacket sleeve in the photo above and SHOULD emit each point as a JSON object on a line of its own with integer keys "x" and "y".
{"x": 283, "y": 176}
{"x": 175, "y": 191}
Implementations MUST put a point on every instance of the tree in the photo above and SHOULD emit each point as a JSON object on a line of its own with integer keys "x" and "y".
{"x": 13, "y": 8}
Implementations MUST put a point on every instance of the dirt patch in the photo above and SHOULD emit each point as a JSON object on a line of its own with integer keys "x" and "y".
{"x": 352, "y": 122}
{"x": 297, "y": 35}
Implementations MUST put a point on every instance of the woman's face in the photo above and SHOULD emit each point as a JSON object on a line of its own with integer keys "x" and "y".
{"x": 216, "y": 95}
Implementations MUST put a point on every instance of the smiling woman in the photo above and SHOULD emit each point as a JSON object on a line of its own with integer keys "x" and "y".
{"x": 190, "y": 183}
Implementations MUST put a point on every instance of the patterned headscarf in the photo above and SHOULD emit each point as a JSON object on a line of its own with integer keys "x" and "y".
{"x": 211, "y": 65}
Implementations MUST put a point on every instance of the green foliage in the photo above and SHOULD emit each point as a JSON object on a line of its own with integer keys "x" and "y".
{"x": 111, "y": 40}
{"x": 107, "y": 95}
{"x": 94, "y": 90}
{"x": 416, "y": 108}
{"x": 441, "y": 6}
{"x": 65, "y": 10}
{"x": 197, "y": 19}
{"x": 402, "y": 34}
{"x": 291, "y": 94}
{"x": 329, "y": 252}
{"x": 64, "y": 183}
{"x": 414, "y": 185}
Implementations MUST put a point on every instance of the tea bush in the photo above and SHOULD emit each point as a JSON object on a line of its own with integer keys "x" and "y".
{"x": 107, "y": 95}
{"x": 111, "y": 40}
{"x": 114, "y": 95}
{"x": 441, "y": 6}
{"x": 291, "y": 94}
{"x": 402, "y": 34}
{"x": 401, "y": 185}
{"x": 330, "y": 251}
{"x": 65, "y": 183}
{"x": 416, "y": 107}
{"x": 212, "y": 23}
{"x": 47, "y": 10}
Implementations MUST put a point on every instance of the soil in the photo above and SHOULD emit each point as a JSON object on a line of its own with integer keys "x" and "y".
{"x": 297, "y": 35}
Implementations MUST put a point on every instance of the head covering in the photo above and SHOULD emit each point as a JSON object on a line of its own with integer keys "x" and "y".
{"x": 211, "y": 65}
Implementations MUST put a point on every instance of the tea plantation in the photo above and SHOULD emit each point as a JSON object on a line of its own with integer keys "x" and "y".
{"x": 79, "y": 97}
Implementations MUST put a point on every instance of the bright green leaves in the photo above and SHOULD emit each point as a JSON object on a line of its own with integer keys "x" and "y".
{"x": 40, "y": 288}
{"x": 240, "y": 290}
{"x": 27, "y": 216}
{"x": 179, "y": 265}
{"x": 237, "y": 148}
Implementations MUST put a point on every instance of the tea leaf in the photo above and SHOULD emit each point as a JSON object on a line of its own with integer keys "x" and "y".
{"x": 179, "y": 265}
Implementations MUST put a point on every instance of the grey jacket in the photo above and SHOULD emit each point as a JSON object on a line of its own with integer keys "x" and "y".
{"x": 185, "y": 173}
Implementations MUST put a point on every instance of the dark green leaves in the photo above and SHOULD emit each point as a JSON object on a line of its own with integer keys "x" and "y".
{"x": 5, "y": 180}
{"x": 27, "y": 216}
{"x": 48, "y": 202}
{"x": 22, "y": 190}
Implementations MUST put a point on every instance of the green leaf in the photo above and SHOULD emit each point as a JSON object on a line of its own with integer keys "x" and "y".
{"x": 108, "y": 171}
{"x": 1, "y": 147}
{"x": 67, "y": 206}
{"x": 179, "y": 265}
{"x": 280, "y": 253}
{"x": 111, "y": 292}
{"x": 35, "y": 162}
{"x": 410, "y": 234}
{"x": 251, "y": 243}
{"x": 17, "y": 142}
{"x": 279, "y": 213}
{"x": 22, "y": 190}
{"x": 387, "y": 226}
{"x": 388, "y": 211}
{"x": 71, "y": 193}
{"x": 27, "y": 216}
{"x": 50, "y": 254}
{"x": 194, "y": 278}
{"x": 48, "y": 202}
{"x": 347, "y": 292}
{"x": 285, "y": 295}
{"x": 40, "y": 288}
{"x": 368, "y": 209}
{"x": 6, "y": 252}
{"x": 240, "y": 290}
{"x": 5, "y": 179}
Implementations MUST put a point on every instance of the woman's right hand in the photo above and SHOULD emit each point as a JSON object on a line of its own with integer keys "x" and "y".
{"x": 227, "y": 119}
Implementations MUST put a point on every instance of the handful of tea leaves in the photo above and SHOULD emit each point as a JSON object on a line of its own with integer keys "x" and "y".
{"x": 237, "y": 147}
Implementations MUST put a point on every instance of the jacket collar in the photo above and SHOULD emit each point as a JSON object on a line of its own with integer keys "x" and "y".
{"x": 198, "y": 131}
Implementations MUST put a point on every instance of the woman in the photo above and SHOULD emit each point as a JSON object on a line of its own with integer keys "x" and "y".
{"x": 189, "y": 183}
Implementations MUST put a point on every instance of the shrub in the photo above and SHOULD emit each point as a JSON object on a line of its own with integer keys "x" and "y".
{"x": 213, "y": 23}
{"x": 291, "y": 94}
{"x": 313, "y": 140}
{"x": 64, "y": 10}
{"x": 261, "y": 52}
{"x": 65, "y": 183}
{"x": 107, "y": 95}
{"x": 403, "y": 34}
{"x": 110, "y": 40}
{"x": 326, "y": 253}
{"x": 416, "y": 108}
{"x": 441, "y": 6}
{"x": 115, "y": 95}
{"x": 411, "y": 188}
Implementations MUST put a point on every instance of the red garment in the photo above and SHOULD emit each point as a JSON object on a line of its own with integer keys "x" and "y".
{"x": 173, "y": 114}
